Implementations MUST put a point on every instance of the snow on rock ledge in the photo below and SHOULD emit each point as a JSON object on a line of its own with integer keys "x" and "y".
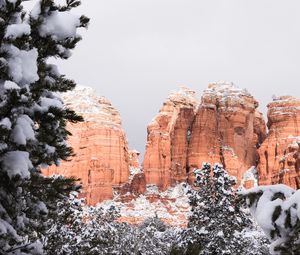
{"x": 171, "y": 206}
{"x": 84, "y": 101}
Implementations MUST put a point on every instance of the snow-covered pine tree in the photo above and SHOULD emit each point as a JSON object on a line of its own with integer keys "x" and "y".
{"x": 155, "y": 237}
{"x": 216, "y": 223}
{"x": 80, "y": 229}
{"x": 33, "y": 118}
{"x": 276, "y": 209}
{"x": 86, "y": 230}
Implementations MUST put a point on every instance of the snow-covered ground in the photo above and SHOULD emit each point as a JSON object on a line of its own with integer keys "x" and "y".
{"x": 171, "y": 206}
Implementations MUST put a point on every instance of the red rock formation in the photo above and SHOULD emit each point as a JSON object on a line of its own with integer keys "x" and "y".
{"x": 102, "y": 159}
{"x": 134, "y": 159}
{"x": 280, "y": 153}
{"x": 167, "y": 140}
{"x": 227, "y": 129}
{"x": 133, "y": 188}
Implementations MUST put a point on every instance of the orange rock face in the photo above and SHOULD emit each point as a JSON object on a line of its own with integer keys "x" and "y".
{"x": 279, "y": 153}
{"x": 167, "y": 141}
{"x": 224, "y": 127}
{"x": 227, "y": 129}
{"x": 100, "y": 144}
{"x": 134, "y": 159}
{"x": 133, "y": 188}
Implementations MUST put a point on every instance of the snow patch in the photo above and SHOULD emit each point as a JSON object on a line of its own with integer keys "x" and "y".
{"x": 17, "y": 163}
{"x": 22, "y": 65}
{"x": 60, "y": 25}
{"x": 17, "y": 30}
{"x": 8, "y": 85}
{"x": 23, "y": 130}
{"x": 5, "y": 123}
{"x": 250, "y": 175}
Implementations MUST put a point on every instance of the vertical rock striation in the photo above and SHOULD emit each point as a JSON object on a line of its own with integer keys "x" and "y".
{"x": 227, "y": 129}
{"x": 224, "y": 127}
{"x": 279, "y": 154}
{"x": 100, "y": 144}
{"x": 167, "y": 141}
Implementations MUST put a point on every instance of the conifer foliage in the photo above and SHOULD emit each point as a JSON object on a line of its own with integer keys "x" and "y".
{"x": 276, "y": 209}
{"x": 33, "y": 117}
{"x": 216, "y": 223}
{"x": 95, "y": 231}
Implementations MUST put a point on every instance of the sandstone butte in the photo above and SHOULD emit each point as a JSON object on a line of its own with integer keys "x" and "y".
{"x": 102, "y": 157}
{"x": 279, "y": 153}
{"x": 225, "y": 127}
{"x": 165, "y": 158}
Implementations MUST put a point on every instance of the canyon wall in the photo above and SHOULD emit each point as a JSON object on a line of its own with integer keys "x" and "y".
{"x": 167, "y": 140}
{"x": 227, "y": 129}
{"x": 102, "y": 157}
{"x": 279, "y": 153}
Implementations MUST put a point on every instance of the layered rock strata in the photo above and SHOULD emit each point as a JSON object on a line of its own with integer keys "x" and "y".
{"x": 227, "y": 128}
{"x": 167, "y": 140}
{"x": 280, "y": 152}
{"x": 102, "y": 157}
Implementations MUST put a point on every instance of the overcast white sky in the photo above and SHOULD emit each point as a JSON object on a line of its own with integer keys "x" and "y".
{"x": 136, "y": 52}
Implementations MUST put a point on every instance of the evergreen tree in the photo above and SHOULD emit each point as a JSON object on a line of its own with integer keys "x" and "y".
{"x": 79, "y": 229}
{"x": 86, "y": 230}
{"x": 276, "y": 210}
{"x": 155, "y": 237}
{"x": 216, "y": 223}
{"x": 33, "y": 118}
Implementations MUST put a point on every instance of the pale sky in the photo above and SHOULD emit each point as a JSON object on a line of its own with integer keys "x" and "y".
{"x": 136, "y": 52}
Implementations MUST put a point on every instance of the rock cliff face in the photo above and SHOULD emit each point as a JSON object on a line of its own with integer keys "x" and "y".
{"x": 225, "y": 126}
{"x": 100, "y": 144}
{"x": 280, "y": 153}
{"x": 227, "y": 129}
{"x": 134, "y": 159}
{"x": 167, "y": 140}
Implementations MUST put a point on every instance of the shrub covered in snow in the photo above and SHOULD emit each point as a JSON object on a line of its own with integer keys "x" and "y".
{"x": 33, "y": 118}
{"x": 94, "y": 230}
{"x": 276, "y": 209}
{"x": 217, "y": 224}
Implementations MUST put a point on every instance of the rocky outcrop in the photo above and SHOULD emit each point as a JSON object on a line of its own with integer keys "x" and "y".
{"x": 224, "y": 127}
{"x": 135, "y": 186}
{"x": 227, "y": 129}
{"x": 134, "y": 159}
{"x": 102, "y": 157}
{"x": 167, "y": 141}
{"x": 280, "y": 153}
